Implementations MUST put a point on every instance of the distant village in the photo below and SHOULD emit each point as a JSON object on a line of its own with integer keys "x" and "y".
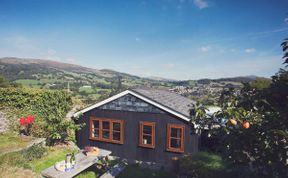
{"x": 207, "y": 92}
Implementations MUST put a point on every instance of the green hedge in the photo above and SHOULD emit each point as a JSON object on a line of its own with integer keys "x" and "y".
{"x": 48, "y": 106}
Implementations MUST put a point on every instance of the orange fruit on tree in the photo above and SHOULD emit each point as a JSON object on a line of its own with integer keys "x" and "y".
{"x": 246, "y": 125}
{"x": 232, "y": 121}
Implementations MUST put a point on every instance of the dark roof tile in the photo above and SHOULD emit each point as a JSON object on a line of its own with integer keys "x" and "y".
{"x": 168, "y": 99}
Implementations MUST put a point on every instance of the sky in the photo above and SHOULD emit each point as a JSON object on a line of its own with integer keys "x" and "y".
{"x": 175, "y": 39}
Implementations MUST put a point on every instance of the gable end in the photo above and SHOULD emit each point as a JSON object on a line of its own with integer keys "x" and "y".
{"x": 131, "y": 103}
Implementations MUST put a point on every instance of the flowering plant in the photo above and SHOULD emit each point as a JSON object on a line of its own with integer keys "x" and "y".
{"x": 28, "y": 120}
{"x": 27, "y": 123}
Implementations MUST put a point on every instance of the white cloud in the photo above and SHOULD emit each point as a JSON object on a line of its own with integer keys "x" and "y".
{"x": 201, "y": 4}
{"x": 50, "y": 54}
{"x": 205, "y": 49}
{"x": 286, "y": 20}
{"x": 169, "y": 66}
{"x": 250, "y": 50}
{"x": 21, "y": 43}
{"x": 137, "y": 39}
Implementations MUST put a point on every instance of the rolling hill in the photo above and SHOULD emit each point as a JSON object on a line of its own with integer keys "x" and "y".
{"x": 94, "y": 83}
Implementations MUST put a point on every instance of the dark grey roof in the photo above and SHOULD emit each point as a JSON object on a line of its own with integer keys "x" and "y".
{"x": 168, "y": 99}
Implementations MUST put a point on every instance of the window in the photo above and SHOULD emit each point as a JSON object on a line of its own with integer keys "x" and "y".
{"x": 107, "y": 130}
{"x": 175, "y": 138}
{"x": 147, "y": 134}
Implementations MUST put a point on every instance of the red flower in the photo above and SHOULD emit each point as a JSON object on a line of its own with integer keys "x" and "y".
{"x": 30, "y": 119}
{"x": 22, "y": 121}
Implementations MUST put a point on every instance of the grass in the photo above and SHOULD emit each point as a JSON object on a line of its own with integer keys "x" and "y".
{"x": 132, "y": 171}
{"x": 12, "y": 172}
{"x": 91, "y": 172}
{"x": 37, "y": 83}
{"x": 10, "y": 142}
{"x": 53, "y": 155}
{"x": 100, "y": 80}
{"x": 27, "y": 82}
{"x": 87, "y": 89}
{"x": 87, "y": 174}
{"x": 16, "y": 159}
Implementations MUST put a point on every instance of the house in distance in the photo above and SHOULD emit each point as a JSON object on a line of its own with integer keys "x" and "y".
{"x": 144, "y": 124}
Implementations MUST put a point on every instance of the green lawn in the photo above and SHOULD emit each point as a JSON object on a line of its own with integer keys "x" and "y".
{"x": 38, "y": 83}
{"x": 10, "y": 142}
{"x": 29, "y": 83}
{"x": 16, "y": 159}
{"x": 133, "y": 171}
{"x": 53, "y": 155}
{"x": 87, "y": 174}
{"x": 86, "y": 89}
{"x": 91, "y": 172}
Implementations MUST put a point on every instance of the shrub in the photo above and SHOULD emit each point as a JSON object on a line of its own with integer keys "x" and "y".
{"x": 48, "y": 106}
{"x": 36, "y": 151}
{"x": 202, "y": 165}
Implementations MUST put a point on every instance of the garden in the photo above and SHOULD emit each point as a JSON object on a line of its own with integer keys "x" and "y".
{"x": 250, "y": 132}
{"x": 247, "y": 138}
{"x": 40, "y": 113}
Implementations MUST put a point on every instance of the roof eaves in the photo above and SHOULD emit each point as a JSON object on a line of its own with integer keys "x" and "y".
{"x": 138, "y": 95}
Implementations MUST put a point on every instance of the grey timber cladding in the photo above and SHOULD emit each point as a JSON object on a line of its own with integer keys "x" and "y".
{"x": 131, "y": 103}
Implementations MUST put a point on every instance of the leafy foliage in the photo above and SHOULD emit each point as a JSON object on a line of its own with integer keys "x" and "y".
{"x": 260, "y": 83}
{"x": 48, "y": 106}
{"x": 3, "y": 82}
{"x": 262, "y": 147}
{"x": 285, "y": 50}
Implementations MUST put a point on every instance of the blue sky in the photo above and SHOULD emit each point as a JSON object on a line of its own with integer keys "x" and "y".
{"x": 178, "y": 39}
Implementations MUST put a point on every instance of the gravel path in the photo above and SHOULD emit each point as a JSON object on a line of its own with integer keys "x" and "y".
{"x": 3, "y": 125}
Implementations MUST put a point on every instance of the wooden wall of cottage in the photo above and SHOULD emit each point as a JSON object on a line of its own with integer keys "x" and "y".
{"x": 133, "y": 110}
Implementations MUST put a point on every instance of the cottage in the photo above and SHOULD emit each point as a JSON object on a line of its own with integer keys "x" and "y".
{"x": 148, "y": 125}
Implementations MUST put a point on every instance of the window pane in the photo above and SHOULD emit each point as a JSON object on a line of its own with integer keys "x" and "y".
{"x": 175, "y": 143}
{"x": 116, "y": 136}
{"x": 95, "y": 124}
{"x": 147, "y": 139}
{"x": 106, "y": 124}
{"x": 96, "y": 133}
{"x": 175, "y": 132}
{"x": 147, "y": 129}
{"x": 116, "y": 126}
{"x": 106, "y": 134}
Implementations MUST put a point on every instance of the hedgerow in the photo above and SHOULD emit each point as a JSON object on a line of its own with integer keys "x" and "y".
{"x": 48, "y": 106}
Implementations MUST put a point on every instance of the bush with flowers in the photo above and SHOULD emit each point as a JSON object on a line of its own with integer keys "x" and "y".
{"x": 48, "y": 106}
{"x": 26, "y": 125}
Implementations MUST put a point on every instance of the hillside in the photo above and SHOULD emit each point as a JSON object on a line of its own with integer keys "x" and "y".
{"x": 92, "y": 84}
{"x": 83, "y": 81}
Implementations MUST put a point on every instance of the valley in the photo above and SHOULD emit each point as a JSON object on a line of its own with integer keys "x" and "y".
{"x": 91, "y": 85}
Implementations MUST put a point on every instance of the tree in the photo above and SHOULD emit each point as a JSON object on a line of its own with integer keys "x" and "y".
{"x": 3, "y": 82}
{"x": 260, "y": 83}
{"x": 285, "y": 50}
{"x": 261, "y": 146}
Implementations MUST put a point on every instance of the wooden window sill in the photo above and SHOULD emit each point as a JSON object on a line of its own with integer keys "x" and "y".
{"x": 107, "y": 141}
{"x": 175, "y": 150}
{"x": 147, "y": 146}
